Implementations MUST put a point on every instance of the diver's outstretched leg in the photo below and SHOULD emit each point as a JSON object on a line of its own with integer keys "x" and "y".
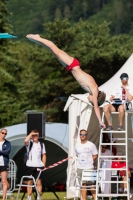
{"x": 62, "y": 56}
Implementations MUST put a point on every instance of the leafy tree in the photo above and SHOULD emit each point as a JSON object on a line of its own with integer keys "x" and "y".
{"x": 85, "y": 9}
{"x": 119, "y": 13}
{"x": 67, "y": 12}
{"x": 28, "y": 16}
{"x": 10, "y": 71}
{"x": 58, "y": 13}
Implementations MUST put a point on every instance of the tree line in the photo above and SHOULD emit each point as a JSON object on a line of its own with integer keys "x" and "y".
{"x": 33, "y": 79}
{"x": 29, "y": 16}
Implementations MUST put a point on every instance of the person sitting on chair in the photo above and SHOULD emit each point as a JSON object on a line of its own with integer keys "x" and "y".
{"x": 87, "y": 154}
{"x": 122, "y": 94}
{"x": 122, "y": 164}
{"x": 72, "y": 65}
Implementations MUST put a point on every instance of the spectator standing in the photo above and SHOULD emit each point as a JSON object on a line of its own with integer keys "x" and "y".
{"x": 36, "y": 159}
{"x": 87, "y": 153}
{"x": 5, "y": 148}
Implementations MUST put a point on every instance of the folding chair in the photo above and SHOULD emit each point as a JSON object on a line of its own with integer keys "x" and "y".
{"x": 11, "y": 179}
{"x": 89, "y": 176}
{"x": 32, "y": 186}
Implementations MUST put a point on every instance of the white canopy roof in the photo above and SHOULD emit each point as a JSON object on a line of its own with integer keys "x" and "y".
{"x": 111, "y": 83}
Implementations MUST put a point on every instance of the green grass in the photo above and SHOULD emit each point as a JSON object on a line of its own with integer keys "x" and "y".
{"x": 51, "y": 196}
{"x": 45, "y": 196}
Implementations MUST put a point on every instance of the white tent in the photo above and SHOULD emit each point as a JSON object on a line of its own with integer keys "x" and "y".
{"x": 55, "y": 132}
{"x": 82, "y": 116}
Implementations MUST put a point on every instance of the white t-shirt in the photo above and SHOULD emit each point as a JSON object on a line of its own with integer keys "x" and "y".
{"x": 35, "y": 155}
{"x": 117, "y": 92}
{"x": 85, "y": 153}
{"x": 1, "y": 157}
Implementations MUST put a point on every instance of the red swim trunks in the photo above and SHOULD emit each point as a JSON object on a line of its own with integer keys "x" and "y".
{"x": 72, "y": 65}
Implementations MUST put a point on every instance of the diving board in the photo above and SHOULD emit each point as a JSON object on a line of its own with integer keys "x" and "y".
{"x": 7, "y": 35}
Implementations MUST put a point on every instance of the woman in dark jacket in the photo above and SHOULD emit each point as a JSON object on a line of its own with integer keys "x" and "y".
{"x": 5, "y": 148}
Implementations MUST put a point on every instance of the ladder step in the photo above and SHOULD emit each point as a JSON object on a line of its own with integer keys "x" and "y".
{"x": 111, "y": 169}
{"x": 112, "y": 195}
{"x": 113, "y": 131}
{"x": 111, "y": 156}
{"x": 114, "y": 139}
{"x": 101, "y": 181}
{"x": 114, "y": 113}
{"x": 113, "y": 144}
{"x": 18, "y": 185}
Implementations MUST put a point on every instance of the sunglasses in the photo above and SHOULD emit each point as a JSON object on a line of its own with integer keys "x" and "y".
{"x": 4, "y": 133}
{"x": 123, "y": 78}
{"x": 35, "y": 135}
{"x": 83, "y": 134}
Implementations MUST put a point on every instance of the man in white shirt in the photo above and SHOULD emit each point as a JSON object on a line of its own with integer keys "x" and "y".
{"x": 87, "y": 153}
{"x": 36, "y": 159}
{"x": 123, "y": 94}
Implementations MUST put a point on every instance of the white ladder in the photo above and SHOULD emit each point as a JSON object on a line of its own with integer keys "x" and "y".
{"x": 122, "y": 140}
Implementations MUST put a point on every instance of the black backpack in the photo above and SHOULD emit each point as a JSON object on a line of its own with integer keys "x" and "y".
{"x": 26, "y": 155}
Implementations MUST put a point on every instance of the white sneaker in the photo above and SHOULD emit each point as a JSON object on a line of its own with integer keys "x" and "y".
{"x": 38, "y": 198}
{"x": 28, "y": 198}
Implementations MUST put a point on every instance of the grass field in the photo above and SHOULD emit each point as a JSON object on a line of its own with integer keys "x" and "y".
{"x": 51, "y": 196}
{"x": 45, "y": 196}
